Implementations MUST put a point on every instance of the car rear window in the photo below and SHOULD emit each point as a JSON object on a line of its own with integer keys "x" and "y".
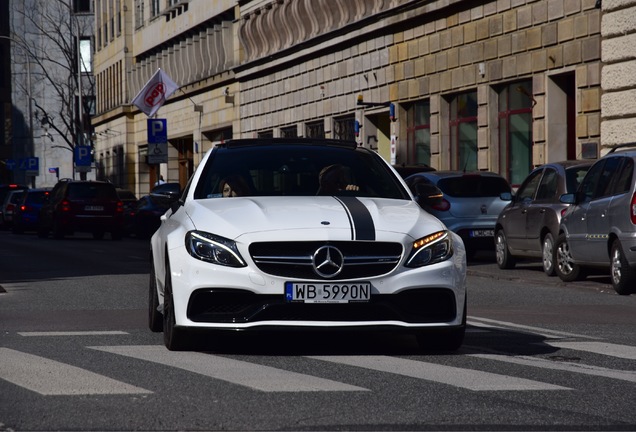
{"x": 471, "y": 186}
{"x": 36, "y": 197}
{"x": 78, "y": 191}
{"x": 574, "y": 176}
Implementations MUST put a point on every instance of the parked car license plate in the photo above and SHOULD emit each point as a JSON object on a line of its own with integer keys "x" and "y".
{"x": 94, "y": 208}
{"x": 311, "y": 292}
{"x": 482, "y": 233}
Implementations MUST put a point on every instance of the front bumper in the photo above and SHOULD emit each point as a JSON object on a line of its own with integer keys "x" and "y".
{"x": 208, "y": 296}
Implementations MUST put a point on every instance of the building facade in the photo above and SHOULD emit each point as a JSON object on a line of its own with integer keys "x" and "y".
{"x": 48, "y": 49}
{"x": 501, "y": 85}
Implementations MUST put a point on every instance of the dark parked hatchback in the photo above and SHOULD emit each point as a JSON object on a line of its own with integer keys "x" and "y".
{"x": 529, "y": 225}
{"x": 82, "y": 206}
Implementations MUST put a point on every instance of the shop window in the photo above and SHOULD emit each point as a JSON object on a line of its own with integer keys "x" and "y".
{"x": 463, "y": 131}
{"x": 515, "y": 131}
{"x": 418, "y": 130}
{"x": 266, "y": 134}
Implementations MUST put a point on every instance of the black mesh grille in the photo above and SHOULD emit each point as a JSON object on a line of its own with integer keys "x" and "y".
{"x": 294, "y": 259}
{"x": 237, "y": 306}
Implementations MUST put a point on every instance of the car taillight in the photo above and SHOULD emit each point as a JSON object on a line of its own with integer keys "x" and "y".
{"x": 25, "y": 208}
{"x": 444, "y": 205}
{"x": 563, "y": 210}
{"x": 65, "y": 206}
{"x": 632, "y": 207}
{"x": 10, "y": 207}
{"x": 120, "y": 207}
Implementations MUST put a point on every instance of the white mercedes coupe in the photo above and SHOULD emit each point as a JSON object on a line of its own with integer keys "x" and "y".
{"x": 275, "y": 234}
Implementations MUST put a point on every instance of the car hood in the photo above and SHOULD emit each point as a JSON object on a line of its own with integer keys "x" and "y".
{"x": 306, "y": 218}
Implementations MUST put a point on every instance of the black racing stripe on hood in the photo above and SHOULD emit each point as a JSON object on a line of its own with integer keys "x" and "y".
{"x": 361, "y": 220}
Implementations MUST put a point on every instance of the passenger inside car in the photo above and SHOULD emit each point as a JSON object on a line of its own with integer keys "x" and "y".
{"x": 233, "y": 186}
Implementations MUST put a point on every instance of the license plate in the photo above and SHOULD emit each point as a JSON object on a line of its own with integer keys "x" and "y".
{"x": 312, "y": 292}
{"x": 482, "y": 233}
{"x": 94, "y": 208}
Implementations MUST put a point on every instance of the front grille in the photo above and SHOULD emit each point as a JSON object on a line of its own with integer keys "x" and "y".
{"x": 427, "y": 305}
{"x": 294, "y": 259}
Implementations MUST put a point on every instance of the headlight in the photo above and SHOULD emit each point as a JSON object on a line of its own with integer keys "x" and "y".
{"x": 431, "y": 249}
{"x": 211, "y": 248}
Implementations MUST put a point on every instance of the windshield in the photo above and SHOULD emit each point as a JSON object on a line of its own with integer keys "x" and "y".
{"x": 297, "y": 170}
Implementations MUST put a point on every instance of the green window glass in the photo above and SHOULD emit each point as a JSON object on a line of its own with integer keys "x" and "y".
{"x": 515, "y": 131}
{"x": 419, "y": 133}
{"x": 463, "y": 132}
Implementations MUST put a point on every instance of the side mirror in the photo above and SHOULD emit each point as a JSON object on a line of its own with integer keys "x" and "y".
{"x": 568, "y": 198}
{"x": 427, "y": 194}
{"x": 506, "y": 196}
{"x": 175, "y": 205}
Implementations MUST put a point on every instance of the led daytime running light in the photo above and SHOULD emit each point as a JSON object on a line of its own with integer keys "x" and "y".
{"x": 429, "y": 239}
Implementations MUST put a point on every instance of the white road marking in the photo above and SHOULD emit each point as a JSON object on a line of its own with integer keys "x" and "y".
{"x": 259, "y": 377}
{"x": 487, "y": 322}
{"x": 72, "y": 333}
{"x": 629, "y": 376}
{"x": 464, "y": 378}
{"x": 50, "y": 377}
{"x": 609, "y": 349}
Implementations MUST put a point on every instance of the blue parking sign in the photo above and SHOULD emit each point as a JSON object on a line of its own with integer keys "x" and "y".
{"x": 83, "y": 156}
{"x": 157, "y": 131}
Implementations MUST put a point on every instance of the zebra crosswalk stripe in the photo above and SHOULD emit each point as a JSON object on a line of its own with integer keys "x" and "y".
{"x": 50, "y": 377}
{"x": 629, "y": 376}
{"x": 464, "y": 378}
{"x": 608, "y": 349}
{"x": 259, "y": 377}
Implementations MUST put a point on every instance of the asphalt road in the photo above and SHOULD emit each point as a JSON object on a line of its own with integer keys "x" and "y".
{"x": 76, "y": 354}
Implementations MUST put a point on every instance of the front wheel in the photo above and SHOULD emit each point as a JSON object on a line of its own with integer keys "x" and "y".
{"x": 623, "y": 278}
{"x": 155, "y": 317}
{"x": 565, "y": 267}
{"x": 547, "y": 252}
{"x": 504, "y": 259}
{"x": 174, "y": 338}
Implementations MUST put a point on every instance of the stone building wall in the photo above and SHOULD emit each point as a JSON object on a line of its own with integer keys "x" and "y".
{"x": 435, "y": 51}
{"x": 618, "y": 102}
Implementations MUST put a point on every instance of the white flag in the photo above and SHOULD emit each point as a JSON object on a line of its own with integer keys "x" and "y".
{"x": 153, "y": 95}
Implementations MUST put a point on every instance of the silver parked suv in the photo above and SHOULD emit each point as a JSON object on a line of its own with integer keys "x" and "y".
{"x": 599, "y": 228}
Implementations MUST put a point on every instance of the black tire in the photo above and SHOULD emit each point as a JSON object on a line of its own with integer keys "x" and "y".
{"x": 444, "y": 340}
{"x": 564, "y": 265}
{"x": 548, "y": 255}
{"x": 502, "y": 254}
{"x": 623, "y": 279}
{"x": 116, "y": 235}
{"x": 174, "y": 338}
{"x": 155, "y": 318}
